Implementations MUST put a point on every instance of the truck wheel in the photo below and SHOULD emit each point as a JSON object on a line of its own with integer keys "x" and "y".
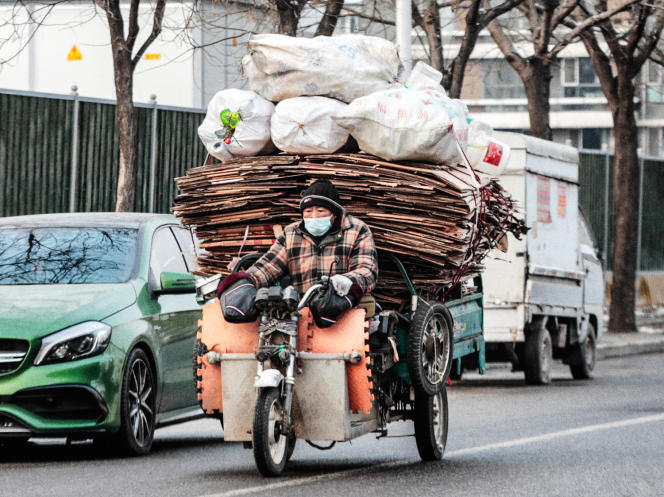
{"x": 431, "y": 417}
{"x": 584, "y": 370}
{"x": 270, "y": 445}
{"x": 429, "y": 353}
{"x": 538, "y": 353}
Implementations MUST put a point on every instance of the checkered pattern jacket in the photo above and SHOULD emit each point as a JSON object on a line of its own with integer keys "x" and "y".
{"x": 296, "y": 253}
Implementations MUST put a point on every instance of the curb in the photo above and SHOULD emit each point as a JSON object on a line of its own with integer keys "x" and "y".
{"x": 607, "y": 351}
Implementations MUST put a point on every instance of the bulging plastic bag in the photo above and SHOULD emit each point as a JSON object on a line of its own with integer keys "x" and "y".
{"x": 405, "y": 124}
{"x": 344, "y": 67}
{"x": 237, "y": 124}
{"x": 304, "y": 125}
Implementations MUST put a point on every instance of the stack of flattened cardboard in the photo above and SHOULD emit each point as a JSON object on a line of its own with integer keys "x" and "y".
{"x": 430, "y": 216}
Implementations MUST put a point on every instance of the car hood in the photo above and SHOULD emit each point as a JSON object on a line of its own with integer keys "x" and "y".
{"x": 33, "y": 311}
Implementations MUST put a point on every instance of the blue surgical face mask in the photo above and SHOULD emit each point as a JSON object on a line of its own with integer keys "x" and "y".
{"x": 318, "y": 226}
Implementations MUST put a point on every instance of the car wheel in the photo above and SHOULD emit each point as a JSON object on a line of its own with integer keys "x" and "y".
{"x": 538, "y": 354}
{"x": 588, "y": 350}
{"x": 137, "y": 405}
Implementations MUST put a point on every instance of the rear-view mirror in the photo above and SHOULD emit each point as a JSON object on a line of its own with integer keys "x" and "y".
{"x": 177, "y": 283}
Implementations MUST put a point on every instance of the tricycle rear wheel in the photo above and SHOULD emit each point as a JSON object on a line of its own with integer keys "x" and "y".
{"x": 270, "y": 444}
{"x": 430, "y": 343}
{"x": 431, "y": 420}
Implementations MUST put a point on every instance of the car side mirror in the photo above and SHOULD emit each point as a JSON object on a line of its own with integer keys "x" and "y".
{"x": 177, "y": 283}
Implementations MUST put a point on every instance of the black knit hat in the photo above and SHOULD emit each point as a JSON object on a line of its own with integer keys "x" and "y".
{"x": 323, "y": 193}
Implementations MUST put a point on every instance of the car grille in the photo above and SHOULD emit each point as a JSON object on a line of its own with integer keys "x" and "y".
{"x": 12, "y": 353}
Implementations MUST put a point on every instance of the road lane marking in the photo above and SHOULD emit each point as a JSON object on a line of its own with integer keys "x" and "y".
{"x": 461, "y": 452}
{"x": 559, "y": 434}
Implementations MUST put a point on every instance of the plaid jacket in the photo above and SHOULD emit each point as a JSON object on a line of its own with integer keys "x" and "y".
{"x": 296, "y": 253}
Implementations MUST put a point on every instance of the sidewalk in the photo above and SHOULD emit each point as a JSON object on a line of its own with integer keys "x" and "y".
{"x": 649, "y": 339}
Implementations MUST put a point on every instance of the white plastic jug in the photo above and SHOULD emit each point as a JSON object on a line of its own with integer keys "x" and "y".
{"x": 485, "y": 153}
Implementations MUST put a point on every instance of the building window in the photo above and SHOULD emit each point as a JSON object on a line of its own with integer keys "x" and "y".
{"x": 579, "y": 78}
{"x": 592, "y": 138}
{"x": 654, "y": 90}
{"x": 352, "y": 24}
{"x": 501, "y": 81}
{"x": 655, "y": 145}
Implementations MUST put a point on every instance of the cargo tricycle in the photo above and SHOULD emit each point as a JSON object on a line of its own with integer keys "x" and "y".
{"x": 282, "y": 378}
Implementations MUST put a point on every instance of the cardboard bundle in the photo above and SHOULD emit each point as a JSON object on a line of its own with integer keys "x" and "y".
{"x": 430, "y": 216}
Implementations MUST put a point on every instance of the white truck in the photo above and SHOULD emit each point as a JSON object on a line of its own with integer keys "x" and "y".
{"x": 543, "y": 299}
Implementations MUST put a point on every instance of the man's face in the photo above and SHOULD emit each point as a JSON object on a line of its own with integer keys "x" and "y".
{"x": 318, "y": 211}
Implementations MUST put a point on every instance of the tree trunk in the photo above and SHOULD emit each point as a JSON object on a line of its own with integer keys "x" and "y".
{"x": 329, "y": 21}
{"x": 626, "y": 198}
{"x": 431, "y": 26}
{"x": 289, "y": 16}
{"x": 537, "y": 82}
{"x": 125, "y": 125}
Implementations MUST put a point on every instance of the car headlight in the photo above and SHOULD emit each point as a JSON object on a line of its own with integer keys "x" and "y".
{"x": 78, "y": 341}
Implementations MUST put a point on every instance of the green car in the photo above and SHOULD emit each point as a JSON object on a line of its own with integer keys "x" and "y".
{"x": 98, "y": 316}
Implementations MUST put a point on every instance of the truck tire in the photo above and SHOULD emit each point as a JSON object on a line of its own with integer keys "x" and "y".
{"x": 588, "y": 349}
{"x": 431, "y": 419}
{"x": 538, "y": 354}
{"x": 430, "y": 348}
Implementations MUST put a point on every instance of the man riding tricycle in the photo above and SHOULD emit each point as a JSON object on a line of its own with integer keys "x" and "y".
{"x": 297, "y": 347}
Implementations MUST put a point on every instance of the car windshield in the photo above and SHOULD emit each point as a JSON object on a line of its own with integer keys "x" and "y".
{"x": 66, "y": 255}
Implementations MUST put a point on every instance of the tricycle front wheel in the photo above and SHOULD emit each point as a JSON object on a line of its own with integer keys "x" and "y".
{"x": 270, "y": 444}
{"x": 431, "y": 418}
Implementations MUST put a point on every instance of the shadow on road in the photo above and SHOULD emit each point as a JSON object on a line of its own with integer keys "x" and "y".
{"x": 57, "y": 450}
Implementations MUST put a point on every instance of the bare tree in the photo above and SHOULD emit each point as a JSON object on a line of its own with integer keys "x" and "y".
{"x": 543, "y": 44}
{"x": 125, "y": 59}
{"x": 618, "y": 50}
{"x": 475, "y": 18}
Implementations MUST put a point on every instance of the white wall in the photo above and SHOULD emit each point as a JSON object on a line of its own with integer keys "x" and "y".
{"x": 42, "y": 65}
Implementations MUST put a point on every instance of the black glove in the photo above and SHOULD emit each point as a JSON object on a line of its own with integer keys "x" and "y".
{"x": 327, "y": 307}
{"x": 237, "y": 294}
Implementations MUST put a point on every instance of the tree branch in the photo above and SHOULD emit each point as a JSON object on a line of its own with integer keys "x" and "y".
{"x": 506, "y": 47}
{"x": 133, "y": 24}
{"x": 157, "y": 19}
{"x": 563, "y": 12}
{"x": 652, "y": 37}
{"x": 328, "y": 23}
{"x": 586, "y": 24}
{"x": 541, "y": 40}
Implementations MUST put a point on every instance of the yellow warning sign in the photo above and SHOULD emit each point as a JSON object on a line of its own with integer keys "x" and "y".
{"x": 153, "y": 56}
{"x": 74, "y": 54}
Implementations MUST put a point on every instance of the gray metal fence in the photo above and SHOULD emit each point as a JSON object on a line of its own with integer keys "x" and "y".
{"x": 60, "y": 153}
{"x": 596, "y": 200}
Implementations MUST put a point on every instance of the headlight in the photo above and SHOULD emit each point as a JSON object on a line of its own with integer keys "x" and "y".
{"x": 76, "y": 342}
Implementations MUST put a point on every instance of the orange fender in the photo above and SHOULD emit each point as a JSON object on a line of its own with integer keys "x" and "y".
{"x": 223, "y": 337}
{"x": 349, "y": 333}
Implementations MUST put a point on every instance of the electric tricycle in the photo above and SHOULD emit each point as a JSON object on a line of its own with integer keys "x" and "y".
{"x": 283, "y": 377}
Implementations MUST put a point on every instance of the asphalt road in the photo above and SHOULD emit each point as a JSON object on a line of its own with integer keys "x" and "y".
{"x": 602, "y": 437}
